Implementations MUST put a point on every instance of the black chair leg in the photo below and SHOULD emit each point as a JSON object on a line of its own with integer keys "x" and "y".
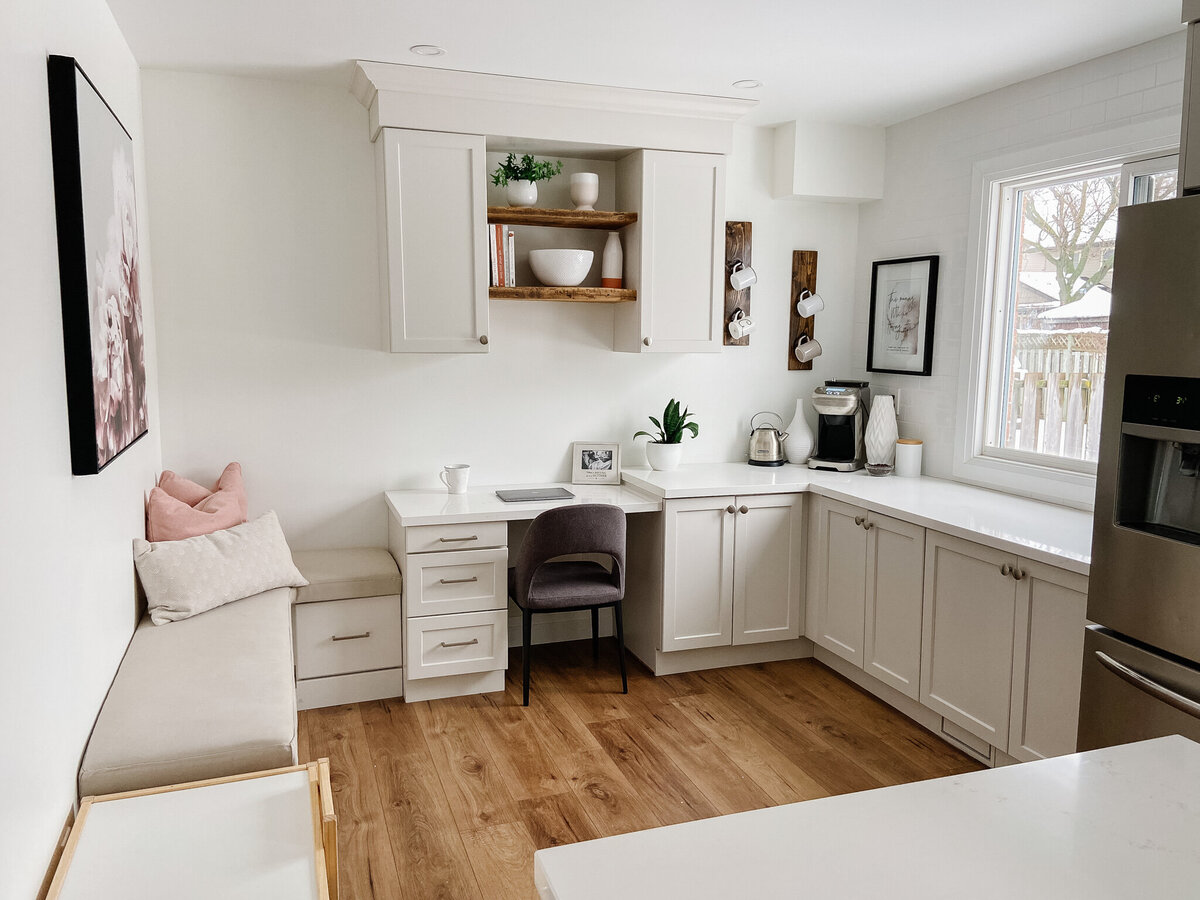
{"x": 595, "y": 633}
{"x": 621, "y": 647}
{"x": 526, "y": 643}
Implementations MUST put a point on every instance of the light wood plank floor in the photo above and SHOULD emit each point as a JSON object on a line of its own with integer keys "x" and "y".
{"x": 450, "y": 798}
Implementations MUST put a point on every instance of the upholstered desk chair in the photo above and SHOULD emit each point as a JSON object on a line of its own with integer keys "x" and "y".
{"x": 537, "y": 585}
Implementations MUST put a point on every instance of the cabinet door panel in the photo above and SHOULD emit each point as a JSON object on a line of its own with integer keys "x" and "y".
{"x": 767, "y": 568}
{"x": 435, "y": 252}
{"x": 698, "y": 573}
{"x": 895, "y": 587}
{"x": 842, "y": 578}
{"x": 1047, "y": 661}
{"x": 967, "y": 635}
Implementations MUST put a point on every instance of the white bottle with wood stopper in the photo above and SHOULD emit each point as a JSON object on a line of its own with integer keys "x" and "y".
{"x": 612, "y": 262}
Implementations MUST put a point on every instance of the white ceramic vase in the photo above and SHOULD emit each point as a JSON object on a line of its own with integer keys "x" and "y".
{"x": 612, "y": 262}
{"x": 798, "y": 445}
{"x": 880, "y": 436}
{"x": 585, "y": 190}
{"x": 663, "y": 457}
{"x": 522, "y": 193}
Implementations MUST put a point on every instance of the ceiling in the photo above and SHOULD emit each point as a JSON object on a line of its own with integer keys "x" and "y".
{"x": 869, "y": 62}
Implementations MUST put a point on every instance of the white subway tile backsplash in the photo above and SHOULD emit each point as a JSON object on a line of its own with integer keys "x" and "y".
{"x": 1138, "y": 80}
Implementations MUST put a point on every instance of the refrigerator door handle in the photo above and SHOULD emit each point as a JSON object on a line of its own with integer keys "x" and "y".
{"x": 1151, "y": 687}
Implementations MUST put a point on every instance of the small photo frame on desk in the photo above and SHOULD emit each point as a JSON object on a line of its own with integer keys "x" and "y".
{"x": 593, "y": 463}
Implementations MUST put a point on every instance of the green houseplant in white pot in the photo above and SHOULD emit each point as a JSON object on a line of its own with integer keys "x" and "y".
{"x": 664, "y": 453}
{"x": 520, "y": 177}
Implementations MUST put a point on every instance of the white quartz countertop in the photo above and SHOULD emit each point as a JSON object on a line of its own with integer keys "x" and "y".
{"x": 437, "y": 507}
{"x": 1115, "y": 823}
{"x": 1056, "y": 535}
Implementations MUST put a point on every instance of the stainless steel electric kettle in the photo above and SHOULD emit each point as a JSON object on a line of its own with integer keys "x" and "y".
{"x": 766, "y": 442}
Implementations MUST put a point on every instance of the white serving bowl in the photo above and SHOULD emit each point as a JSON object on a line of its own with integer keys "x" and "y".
{"x": 560, "y": 268}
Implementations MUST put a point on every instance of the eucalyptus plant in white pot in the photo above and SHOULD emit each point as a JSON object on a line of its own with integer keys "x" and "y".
{"x": 520, "y": 177}
{"x": 665, "y": 453}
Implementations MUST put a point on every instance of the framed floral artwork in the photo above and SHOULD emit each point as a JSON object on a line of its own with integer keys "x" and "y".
{"x": 95, "y": 206}
{"x": 903, "y": 301}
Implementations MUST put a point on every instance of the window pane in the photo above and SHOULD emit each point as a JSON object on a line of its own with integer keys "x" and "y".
{"x": 1155, "y": 186}
{"x": 1055, "y": 318}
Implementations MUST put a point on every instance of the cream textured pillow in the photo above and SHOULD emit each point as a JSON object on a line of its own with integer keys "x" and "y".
{"x": 188, "y": 577}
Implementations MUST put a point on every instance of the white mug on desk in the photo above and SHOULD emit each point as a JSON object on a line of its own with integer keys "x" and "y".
{"x": 455, "y": 477}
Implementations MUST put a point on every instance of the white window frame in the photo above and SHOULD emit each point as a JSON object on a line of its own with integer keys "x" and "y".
{"x": 1032, "y": 474}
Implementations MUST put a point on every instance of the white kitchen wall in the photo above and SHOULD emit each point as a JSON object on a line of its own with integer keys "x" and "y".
{"x": 66, "y": 578}
{"x": 268, "y": 310}
{"x": 928, "y": 194}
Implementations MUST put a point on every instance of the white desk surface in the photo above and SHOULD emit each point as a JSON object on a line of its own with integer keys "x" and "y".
{"x": 1056, "y": 535}
{"x": 240, "y": 840}
{"x": 1121, "y": 822}
{"x": 437, "y": 507}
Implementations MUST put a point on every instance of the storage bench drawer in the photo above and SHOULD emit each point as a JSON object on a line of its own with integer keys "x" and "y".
{"x": 334, "y": 637}
{"x": 457, "y": 644}
{"x": 466, "y": 581}
{"x": 467, "y": 536}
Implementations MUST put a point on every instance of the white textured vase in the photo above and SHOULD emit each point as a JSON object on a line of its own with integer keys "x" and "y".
{"x": 522, "y": 193}
{"x": 585, "y": 190}
{"x": 612, "y": 261}
{"x": 663, "y": 457}
{"x": 880, "y": 436}
{"x": 798, "y": 445}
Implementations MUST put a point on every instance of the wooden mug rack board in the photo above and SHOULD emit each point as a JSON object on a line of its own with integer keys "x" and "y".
{"x": 737, "y": 247}
{"x": 804, "y": 277}
{"x": 603, "y": 220}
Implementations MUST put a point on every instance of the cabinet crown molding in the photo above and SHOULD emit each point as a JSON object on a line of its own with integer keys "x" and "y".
{"x": 473, "y": 102}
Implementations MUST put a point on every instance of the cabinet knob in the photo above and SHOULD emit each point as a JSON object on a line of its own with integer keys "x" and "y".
{"x": 647, "y": 341}
{"x": 743, "y": 509}
{"x": 858, "y": 520}
{"x": 483, "y": 339}
{"x": 867, "y": 526}
{"x": 1006, "y": 569}
{"x": 729, "y": 509}
{"x": 1017, "y": 573}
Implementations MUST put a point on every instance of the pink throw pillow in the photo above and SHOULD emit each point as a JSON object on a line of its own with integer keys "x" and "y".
{"x": 169, "y": 518}
{"x": 182, "y": 488}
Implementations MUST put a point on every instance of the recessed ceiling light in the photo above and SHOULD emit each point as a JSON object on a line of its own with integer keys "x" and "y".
{"x": 427, "y": 50}
{"x": 747, "y": 84}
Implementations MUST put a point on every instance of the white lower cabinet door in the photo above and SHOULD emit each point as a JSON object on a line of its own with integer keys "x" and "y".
{"x": 841, "y": 580}
{"x": 895, "y": 590}
{"x": 1047, "y": 661}
{"x": 698, "y": 573}
{"x": 767, "y": 568}
{"x": 967, "y": 635}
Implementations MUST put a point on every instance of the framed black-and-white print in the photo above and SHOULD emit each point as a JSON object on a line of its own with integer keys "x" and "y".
{"x": 903, "y": 300}
{"x": 595, "y": 463}
{"x": 96, "y": 213}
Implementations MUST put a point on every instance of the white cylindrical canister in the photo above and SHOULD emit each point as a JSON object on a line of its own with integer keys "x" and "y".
{"x": 908, "y": 458}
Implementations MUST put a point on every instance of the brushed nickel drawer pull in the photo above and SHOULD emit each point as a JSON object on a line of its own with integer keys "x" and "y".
{"x": 459, "y": 643}
{"x": 350, "y": 637}
{"x": 459, "y": 580}
{"x": 473, "y": 537}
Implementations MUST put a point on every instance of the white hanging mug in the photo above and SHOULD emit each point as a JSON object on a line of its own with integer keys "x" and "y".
{"x": 455, "y": 477}
{"x": 807, "y": 348}
{"x": 740, "y": 325}
{"x": 741, "y": 276}
{"x": 809, "y": 304}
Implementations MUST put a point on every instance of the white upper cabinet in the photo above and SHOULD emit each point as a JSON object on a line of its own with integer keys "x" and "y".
{"x": 433, "y": 230}
{"x": 674, "y": 254}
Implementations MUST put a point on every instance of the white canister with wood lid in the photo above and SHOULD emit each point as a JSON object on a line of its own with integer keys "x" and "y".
{"x": 908, "y": 458}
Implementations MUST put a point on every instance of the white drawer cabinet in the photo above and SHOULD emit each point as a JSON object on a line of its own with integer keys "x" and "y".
{"x": 339, "y": 637}
{"x": 467, "y": 536}
{"x": 457, "y": 644}
{"x": 465, "y": 581}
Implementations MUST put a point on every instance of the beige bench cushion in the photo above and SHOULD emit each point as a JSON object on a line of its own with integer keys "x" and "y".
{"x": 350, "y": 572}
{"x": 209, "y": 696}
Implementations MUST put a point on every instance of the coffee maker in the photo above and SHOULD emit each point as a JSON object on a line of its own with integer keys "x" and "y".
{"x": 841, "y": 420}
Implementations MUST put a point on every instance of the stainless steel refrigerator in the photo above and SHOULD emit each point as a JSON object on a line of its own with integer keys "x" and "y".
{"x": 1141, "y": 670}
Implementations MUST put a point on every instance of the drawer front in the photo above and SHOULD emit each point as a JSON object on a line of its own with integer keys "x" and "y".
{"x": 467, "y": 536}
{"x": 457, "y": 644}
{"x": 334, "y": 637}
{"x": 467, "y": 581}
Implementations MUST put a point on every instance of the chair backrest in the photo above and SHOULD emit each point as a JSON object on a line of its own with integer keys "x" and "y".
{"x": 586, "y": 528}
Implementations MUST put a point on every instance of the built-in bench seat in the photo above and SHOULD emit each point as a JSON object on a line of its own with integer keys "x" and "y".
{"x": 205, "y": 697}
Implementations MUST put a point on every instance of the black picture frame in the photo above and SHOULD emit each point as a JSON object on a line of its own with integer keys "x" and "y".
{"x": 96, "y": 213}
{"x": 895, "y": 343}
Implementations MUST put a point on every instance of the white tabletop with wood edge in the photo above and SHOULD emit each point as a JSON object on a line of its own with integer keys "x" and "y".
{"x": 265, "y": 835}
{"x": 1121, "y": 822}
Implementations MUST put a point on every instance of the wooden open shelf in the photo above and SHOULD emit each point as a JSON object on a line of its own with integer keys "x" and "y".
{"x": 571, "y": 294}
{"x": 559, "y": 218}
